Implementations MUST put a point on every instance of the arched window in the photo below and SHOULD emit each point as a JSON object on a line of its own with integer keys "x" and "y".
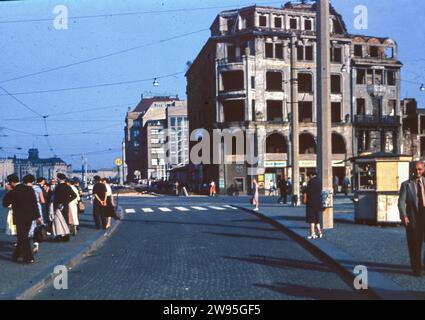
{"x": 276, "y": 143}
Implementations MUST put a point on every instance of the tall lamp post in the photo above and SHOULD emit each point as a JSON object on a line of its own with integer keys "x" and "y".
{"x": 324, "y": 136}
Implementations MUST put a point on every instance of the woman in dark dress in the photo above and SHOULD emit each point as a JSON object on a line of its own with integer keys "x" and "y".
{"x": 312, "y": 198}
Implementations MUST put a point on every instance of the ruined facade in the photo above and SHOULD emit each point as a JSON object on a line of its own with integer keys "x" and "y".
{"x": 241, "y": 78}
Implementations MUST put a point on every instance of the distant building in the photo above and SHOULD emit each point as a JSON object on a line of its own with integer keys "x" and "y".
{"x": 47, "y": 168}
{"x": 156, "y": 138}
{"x": 413, "y": 142}
{"x": 111, "y": 174}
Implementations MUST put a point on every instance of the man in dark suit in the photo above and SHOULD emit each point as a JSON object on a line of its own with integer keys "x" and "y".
{"x": 411, "y": 204}
{"x": 25, "y": 211}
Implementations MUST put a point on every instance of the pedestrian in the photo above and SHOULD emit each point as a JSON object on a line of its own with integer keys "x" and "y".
{"x": 74, "y": 220}
{"x": 29, "y": 180}
{"x": 110, "y": 203}
{"x": 272, "y": 188}
{"x": 177, "y": 186}
{"x": 24, "y": 205}
{"x": 314, "y": 211}
{"x": 283, "y": 188}
{"x": 213, "y": 191}
{"x": 41, "y": 183}
{"x": 346, "y": 185}
{"x": 90, "y": 191}
{"x": 411, "y": 205}
{"x": 255, "y": 195}
{"x": 336, "y": 184}
{"x": 99, "y": 203}
{"x": 63, "y": 197}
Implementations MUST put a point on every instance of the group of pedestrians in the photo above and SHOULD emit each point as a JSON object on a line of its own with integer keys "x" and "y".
{"x": 41, "y": 211}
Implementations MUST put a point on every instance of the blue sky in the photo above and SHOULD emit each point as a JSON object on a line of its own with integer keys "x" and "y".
{"x": 30, "y": 47}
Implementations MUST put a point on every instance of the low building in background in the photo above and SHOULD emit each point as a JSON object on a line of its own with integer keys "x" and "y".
{"x": 47, "y": 167}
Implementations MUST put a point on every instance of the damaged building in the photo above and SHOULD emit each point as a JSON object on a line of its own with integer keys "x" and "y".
{"x": 241, "y": 78}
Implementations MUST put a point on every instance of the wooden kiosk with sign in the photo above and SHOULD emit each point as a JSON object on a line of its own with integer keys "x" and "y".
{"x": 377, "y": 179}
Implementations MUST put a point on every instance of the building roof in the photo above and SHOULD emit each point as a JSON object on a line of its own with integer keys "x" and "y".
{"x": 146, "y": 103}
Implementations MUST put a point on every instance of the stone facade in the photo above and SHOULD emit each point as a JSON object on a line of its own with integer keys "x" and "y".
{"x": 248, "y": 63}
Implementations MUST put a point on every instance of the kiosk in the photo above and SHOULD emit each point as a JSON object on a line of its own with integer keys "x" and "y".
{"x": 377, "y": 179}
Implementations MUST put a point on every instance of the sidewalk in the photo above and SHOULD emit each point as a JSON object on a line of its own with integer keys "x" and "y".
{"x": 21, "y": 281}
{"x": 383, "y": 250}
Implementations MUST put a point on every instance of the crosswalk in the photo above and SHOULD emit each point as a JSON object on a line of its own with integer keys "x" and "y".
{"x": 181, "y": 209}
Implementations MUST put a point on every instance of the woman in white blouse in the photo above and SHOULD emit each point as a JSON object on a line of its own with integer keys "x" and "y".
{"x": 73, "y": 208}
{"x": 110, "y": 203}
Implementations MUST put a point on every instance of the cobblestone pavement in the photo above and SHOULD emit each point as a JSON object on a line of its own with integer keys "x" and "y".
{"x": 199, "y": 248}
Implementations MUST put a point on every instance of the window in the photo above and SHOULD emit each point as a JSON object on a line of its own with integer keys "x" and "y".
{"x": 230, "y": 24}
{"x": 306, "y": 111}
{"x": 154, "y": 141}
{"x": 374, "y": 51}
{"x": 136, "y": 144}
{"x": 154, "y": 162}
{"x": 278, "y": 22}
{"x": 274, "y": 81}
{"x": 335, "y": 83}
{"x": 293, "y": 23}
{"x": 305, "y": 82}
{"x": 263, "y": 21}
{"x": 231, "y": 53}
{"x": 358, "y": 50}
{"x": 369, "y": 78}
{"x": 309, "y": 53}
{"x": 136, "y": 133}
{"x": 253, "y": 109}
{"x": 361, "y": 107}
{"x": 336, "y": 54}
{"x": 308, "y": 25}
{"x": 391, "y": 78}
{"x": 336, "y": 112}
{"x": 361, "y": 76}
{"x": 173, "y": 121}
{"x": 392, "y": 107}
{"x": 234, "y": 111}
{"x": 379, "y": 77}
{"x": 274, "y": 110}
{"x": 269, "y": 50}
{"x": 233, "y": 80}
{"x": 389, "y": 52}
{"x": 253, "y": 82}
{"x": 279, "y": 50}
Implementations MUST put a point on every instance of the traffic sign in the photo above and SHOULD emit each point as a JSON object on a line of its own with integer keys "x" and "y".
{"x": 118, "y": 162}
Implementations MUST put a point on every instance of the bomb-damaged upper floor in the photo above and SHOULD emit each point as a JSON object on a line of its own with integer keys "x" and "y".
{"x": 299, "y": 19}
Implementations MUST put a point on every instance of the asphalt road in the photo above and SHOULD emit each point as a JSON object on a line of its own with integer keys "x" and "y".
{"x": 199, "y": 248}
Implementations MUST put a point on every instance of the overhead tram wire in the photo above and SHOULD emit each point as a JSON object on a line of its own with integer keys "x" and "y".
{"x": 114, "y": 53}
{"x": 137, "y": 13}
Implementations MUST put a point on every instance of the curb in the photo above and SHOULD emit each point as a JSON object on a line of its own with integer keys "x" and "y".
{"x": 45, "y": 278}
{"x": 379, "y": 287}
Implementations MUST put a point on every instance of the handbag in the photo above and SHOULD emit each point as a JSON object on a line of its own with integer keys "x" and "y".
{"x": 10, "y": 227}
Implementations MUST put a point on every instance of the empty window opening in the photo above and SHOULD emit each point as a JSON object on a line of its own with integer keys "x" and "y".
{"x": 274, "y": 110}
{"x": 361, "y": 107}
{"x": 305, "y": 82}
{"x": 231, "y": 53}
{"x": 276, "y": 143}
{"x": 279, "y": 51}
{"x": 389, "y": 52}
{"x": 369, "y": 76}
{"x": 293, "y": 23}
{"x": 391, "y": 78}
{"x": 234, "y": 111}
{"x": 274, "y": 81}
{"x": 361, "y": 76}
{"x": 358, "y": 50}
{"x": 336, "y": 55}
{"x": 307, "y": 144}
{"x": 278, "y": 22}
{"x": 230, "y": 24}
{"x": 309, "y": 53}
{"x": 263, "y": 21}
{"x": 335, "y": 83}
{"x": 308, "y": 24}
{"x": 306, "y": 111}
{"x": 252, "y": 82}
{"x": 374, "y": 51}
{"x": 233, "y": 80}
{"x": 269, "y": 50}
{"x": 338, "y": 144}
{"x": 300, "y": 53}
{"x": 378, "y": 77}
{"x": 392, "y": 107}
{"x": 336, "y": 112}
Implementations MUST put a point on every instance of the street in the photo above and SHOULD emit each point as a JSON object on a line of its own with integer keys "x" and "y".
{"x": 199, "y": 248}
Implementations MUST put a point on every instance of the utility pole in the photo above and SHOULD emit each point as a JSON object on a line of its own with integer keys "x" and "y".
{"x": 295, "y": 138}
{"x": 324, "y": 137}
